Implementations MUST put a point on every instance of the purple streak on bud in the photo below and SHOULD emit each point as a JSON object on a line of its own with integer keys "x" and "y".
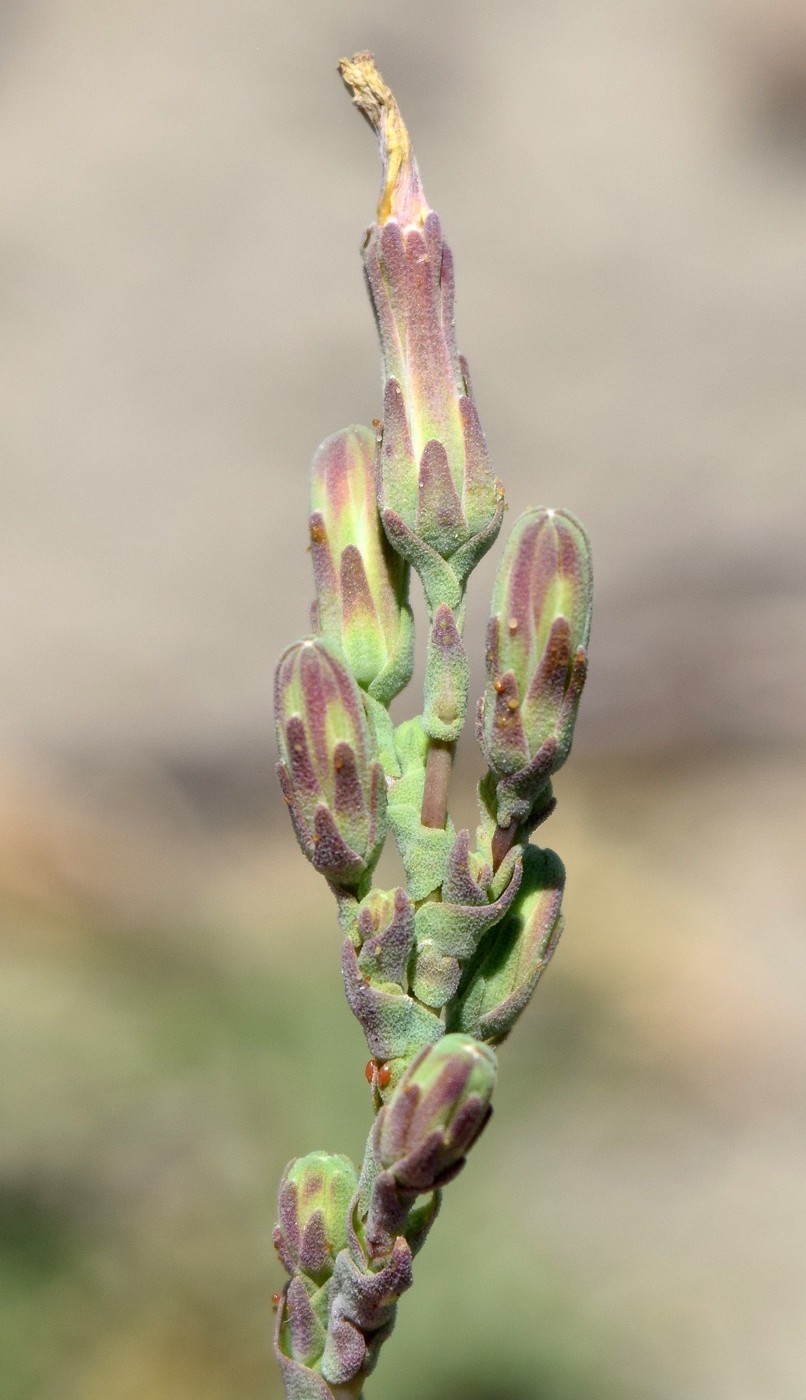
{"x": 410, "y": 278}
{"x": 361, "y": 582}
{"x": 436, "y": 1112}
{"x": 439, "y": 510}
{"x": 468, "y": 877}
{"x": 313, "y": 1210}
{"x": 386, "y": 928}
{"x": 536, "y": 654}
{"x": 331, "y": 779}
{"x": 409, "y": 271}
{"x": 299, "y": 1381}
{"x": 304, "y": 1335}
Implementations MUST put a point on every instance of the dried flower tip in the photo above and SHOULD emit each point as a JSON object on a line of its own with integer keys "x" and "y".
{"x": 401, "y": 195}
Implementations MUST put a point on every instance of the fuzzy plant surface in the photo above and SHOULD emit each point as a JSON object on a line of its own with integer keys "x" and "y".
{"x": 438, "y": 970}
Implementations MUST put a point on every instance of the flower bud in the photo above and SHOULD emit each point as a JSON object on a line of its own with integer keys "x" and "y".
{"x": 536, "y": 656}
{"x": 436, "y": 1112}
{"x": 314, "y": 1204}
{"x": 361, "y": 583}
{"x": 332, "y": 782}
{"x": 435, "y": 484}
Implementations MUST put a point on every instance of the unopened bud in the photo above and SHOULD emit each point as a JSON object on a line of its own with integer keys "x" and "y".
{"x": 536, "y": 656}
{"x": 361, "y": 583}
{"x": 314, "y": 1204}
{"x": 328, "y": 770}
{"x": 437, "y": 1111}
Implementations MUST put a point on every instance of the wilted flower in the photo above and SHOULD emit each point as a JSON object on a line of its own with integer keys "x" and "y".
{"x": 435, "y": 484}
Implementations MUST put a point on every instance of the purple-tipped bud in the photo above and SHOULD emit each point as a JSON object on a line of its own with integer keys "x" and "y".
{"x": 328, "y": 770}
{"x": 437, "y": 1111}
{"x": 361, "y": 583}
{"x": 435, "y": 483}
{"x": 313, "y": 1210}
{"x": 536, "y": 655}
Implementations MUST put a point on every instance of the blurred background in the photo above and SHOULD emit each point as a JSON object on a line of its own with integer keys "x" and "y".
{"x": 185, "y": 190}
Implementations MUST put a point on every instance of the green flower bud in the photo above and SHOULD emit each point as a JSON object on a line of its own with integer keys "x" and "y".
{"x": 437, "y": 1111}
{"x": 435, "y": 485}
{"x": 313, "y": 1211}
{"x": 361, "y": 583}
{"x": 332, "y": 782}
{"x": 536, "y": 657}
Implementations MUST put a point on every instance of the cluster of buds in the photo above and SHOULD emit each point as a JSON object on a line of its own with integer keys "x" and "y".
{"x": 537, "y": 641}
{"x": 436, "y": 972}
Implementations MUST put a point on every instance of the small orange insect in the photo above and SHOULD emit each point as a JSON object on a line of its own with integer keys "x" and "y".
{"x": 383, "y": 1073}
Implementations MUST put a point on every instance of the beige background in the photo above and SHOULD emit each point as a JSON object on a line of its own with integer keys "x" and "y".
{"x": 184, "y": 192}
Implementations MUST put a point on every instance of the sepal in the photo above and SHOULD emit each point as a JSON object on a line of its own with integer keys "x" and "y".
{"x": 394, "y": 1024}
{"x": 436, "y": 1113}
{"x": 499, "y": 982}
{"x": 299, "y": 1381}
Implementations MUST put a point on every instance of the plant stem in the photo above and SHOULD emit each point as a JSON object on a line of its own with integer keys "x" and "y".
{"x": 351, "y": 1391}
{"x": 503, "y": 841}
{"x": 438, "y": 764}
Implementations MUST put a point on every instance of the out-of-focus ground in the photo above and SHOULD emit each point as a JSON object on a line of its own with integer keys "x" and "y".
{"x": 185, "y": 186}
